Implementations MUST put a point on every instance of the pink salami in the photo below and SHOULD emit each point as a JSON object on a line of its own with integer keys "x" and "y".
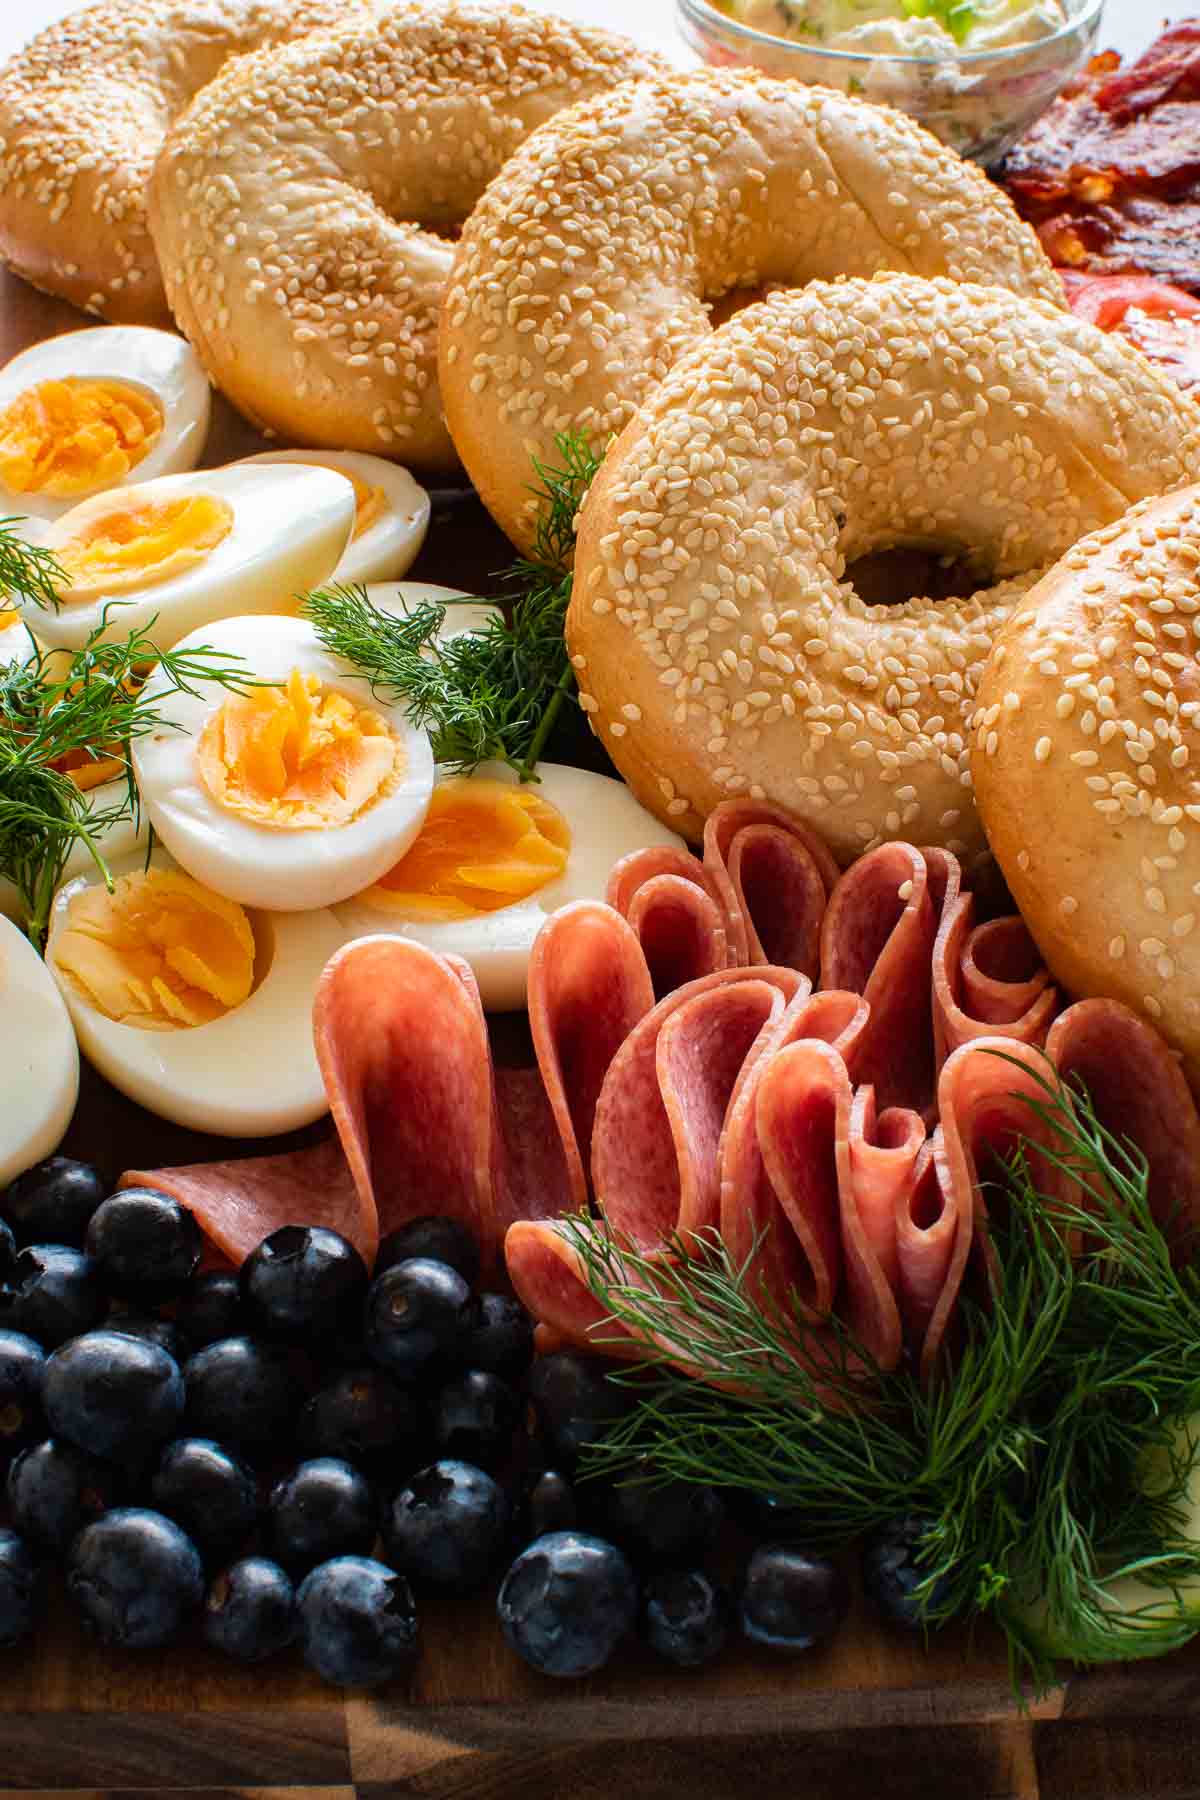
{"x": 774, "y": 876}
{"x": 987, "y": 981}
{"x": 676, "y": 911}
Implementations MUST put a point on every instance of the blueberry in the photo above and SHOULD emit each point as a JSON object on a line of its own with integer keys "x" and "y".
{"x": 211, "y": 1309}
{"x": 52, "y": 1202}
{"x": 414, "y": 1313}
{"x": 163, "y": 1332}
{"x": 364, "y": 1416}
{"x": 242, "y": 1393}
{"x": 448, "y": 1527}
{"x": 54, "y": 1490}
{"x": 566, "y": 1602}
{"x": 208, "y": 1491}
{"x": 791, "y": 1598}
{"x": 323, "y": 1508}
{"x": 8, "y": 1249}
{"x": 357, "y": 1620}
{"x": 21, "y": 1364}
{"x": 892, "y": 1573}
{"x": 136, "y": 1577}
{"x": 685, "y": 1616}
{"x": 547, "y": 1504}
{"x": 474, "y": 1418}
{"x": 250, "y": 1610}
{"x": 574, "y": 1403}
{"x": 303, "y": 1281}
{"x": 111, "y": 1394}
{"x": 434, "y": 1240}
{"x": 662, "y": 1522}
{"x": 766, "y": 1517}
{"x": 146, "y": 1246}
{"x": 500, "y": 1339}
{"x": 52, "y": 1293}
{"x": 20, "y": 1589}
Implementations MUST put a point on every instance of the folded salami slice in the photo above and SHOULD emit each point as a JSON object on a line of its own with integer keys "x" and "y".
{"x": 1140, "y": 1095}
{"x": 773, "y": 875}
{"x": 676, "y": 911}
{"x": 240, "y": 1201}
{"x": 988, "y": 980}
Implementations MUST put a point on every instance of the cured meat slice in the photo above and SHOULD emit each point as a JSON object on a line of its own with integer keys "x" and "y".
{"x": 664, "y": 1101}
{"x": 676, "y": 911}
{"x": 988, "y": 980}
{"x": 877, "y": 939}
{"x": 883, "y": 1150}
{"x": 773, "y": 875}
{"x": 588, "y": 987}
{"x": 984, "y": 1094}
{"x": 242, "y": 1200}
{"x": 1140, "y": 1095}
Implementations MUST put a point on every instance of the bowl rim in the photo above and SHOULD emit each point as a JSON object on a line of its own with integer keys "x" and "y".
{"x": 700, "y": 11}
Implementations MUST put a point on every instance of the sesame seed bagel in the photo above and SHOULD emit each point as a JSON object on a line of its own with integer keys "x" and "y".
{"x": 719, "y": 648}
{"x": 1086, "y": 760}
{"x": 593, "y": 260}
{"x": 83, "y": 110}
{"x": 294, "y": 208}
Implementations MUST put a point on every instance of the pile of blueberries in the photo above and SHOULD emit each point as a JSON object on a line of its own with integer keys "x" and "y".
{"x": 294, "y": 1451}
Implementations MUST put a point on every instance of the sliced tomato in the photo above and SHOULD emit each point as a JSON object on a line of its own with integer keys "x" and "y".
{"x": 1163, "y": 321}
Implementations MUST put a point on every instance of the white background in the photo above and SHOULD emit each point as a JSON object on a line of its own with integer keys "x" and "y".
{"x": 1128, "y": 25}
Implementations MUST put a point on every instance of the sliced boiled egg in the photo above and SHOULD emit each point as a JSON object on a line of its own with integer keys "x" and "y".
{"x": 39, "y": 1061}
{"x": 119, "y": 839}
{"x": 92, "y": 410}
{"x": 186, "y": 550}
{"x": 463, "y": 611}
{"x": 193, "y": 1007}
{"x": 294, "y": 794}
{"x": 391, "y": 511}
{"x": 495, "y": 857}
{"x": 14, "y": 639}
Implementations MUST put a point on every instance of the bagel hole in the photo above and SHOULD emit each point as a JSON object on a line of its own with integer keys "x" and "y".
{"x": 894, "y": 573}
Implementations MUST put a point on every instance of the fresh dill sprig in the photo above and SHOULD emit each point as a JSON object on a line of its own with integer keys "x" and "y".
{"x": 27, "y": 571}
{"x": 86, "y": 706}
{"x": 1027, "y": 1462}
{"x": 492, "y": 694}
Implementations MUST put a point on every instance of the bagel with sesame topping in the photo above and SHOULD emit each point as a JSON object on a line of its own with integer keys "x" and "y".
{"x": 719, "y": 646}
{"x": 283, "y": 205}
{"x": 595, "y": 258}
{"x": 1086, "y": 761}
{"x": 83, "y": 110}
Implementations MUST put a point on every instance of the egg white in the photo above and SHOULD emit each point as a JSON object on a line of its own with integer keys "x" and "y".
{"x": 606, "y": 822}
{"x": 286, "y": 871}
{"x": 290, "y": 527}
{"x": 39, "y": 1060}
{"x": 251, "y": 1073}
{"x": 159, "y": 363}
{"x": 388, "y": 546}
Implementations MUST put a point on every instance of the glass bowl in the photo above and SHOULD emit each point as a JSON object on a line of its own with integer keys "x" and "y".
{"x": 979, "y": 102}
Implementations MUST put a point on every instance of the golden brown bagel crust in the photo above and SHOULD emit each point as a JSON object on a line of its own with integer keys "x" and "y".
{"x": 83, "y": 110}
{"x": 719, "y": 650}
{"x": 590, "y": 264}
{"x": 278, "y": 206}
{"x": 1086, "y": 758}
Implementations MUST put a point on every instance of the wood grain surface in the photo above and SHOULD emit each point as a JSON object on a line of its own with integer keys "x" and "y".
{"x": 872, "y": 1718}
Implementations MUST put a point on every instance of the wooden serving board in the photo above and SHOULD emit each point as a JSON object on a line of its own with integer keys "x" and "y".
{"x": 874, "y": 1715}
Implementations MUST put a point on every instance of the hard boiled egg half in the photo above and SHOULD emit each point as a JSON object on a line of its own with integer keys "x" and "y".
{"x": 495, "y": 857}
{"x": 119, "y": 839}
{"x": 94, "y": 410}
{"x": 39, "y": 1061}
{"x": 192, "y": 1006}
{"x": 391, "y": 511}
{"x": 186, "y": 550}
{"x": 290, "y": 795}
{"x": 464, "y": 612}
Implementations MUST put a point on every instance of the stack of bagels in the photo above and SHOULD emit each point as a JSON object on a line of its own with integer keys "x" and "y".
{"x": 451, "y": 233}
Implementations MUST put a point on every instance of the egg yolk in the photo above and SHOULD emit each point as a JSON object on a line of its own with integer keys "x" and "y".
{"x": 297, "y": 758}
{"x": 159, "y": 952}
{"x": 134, "y": 544}
{"x": 69, "y": 438}
{"x": 483, "y": 845}
{"x": 369, "y": 501}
